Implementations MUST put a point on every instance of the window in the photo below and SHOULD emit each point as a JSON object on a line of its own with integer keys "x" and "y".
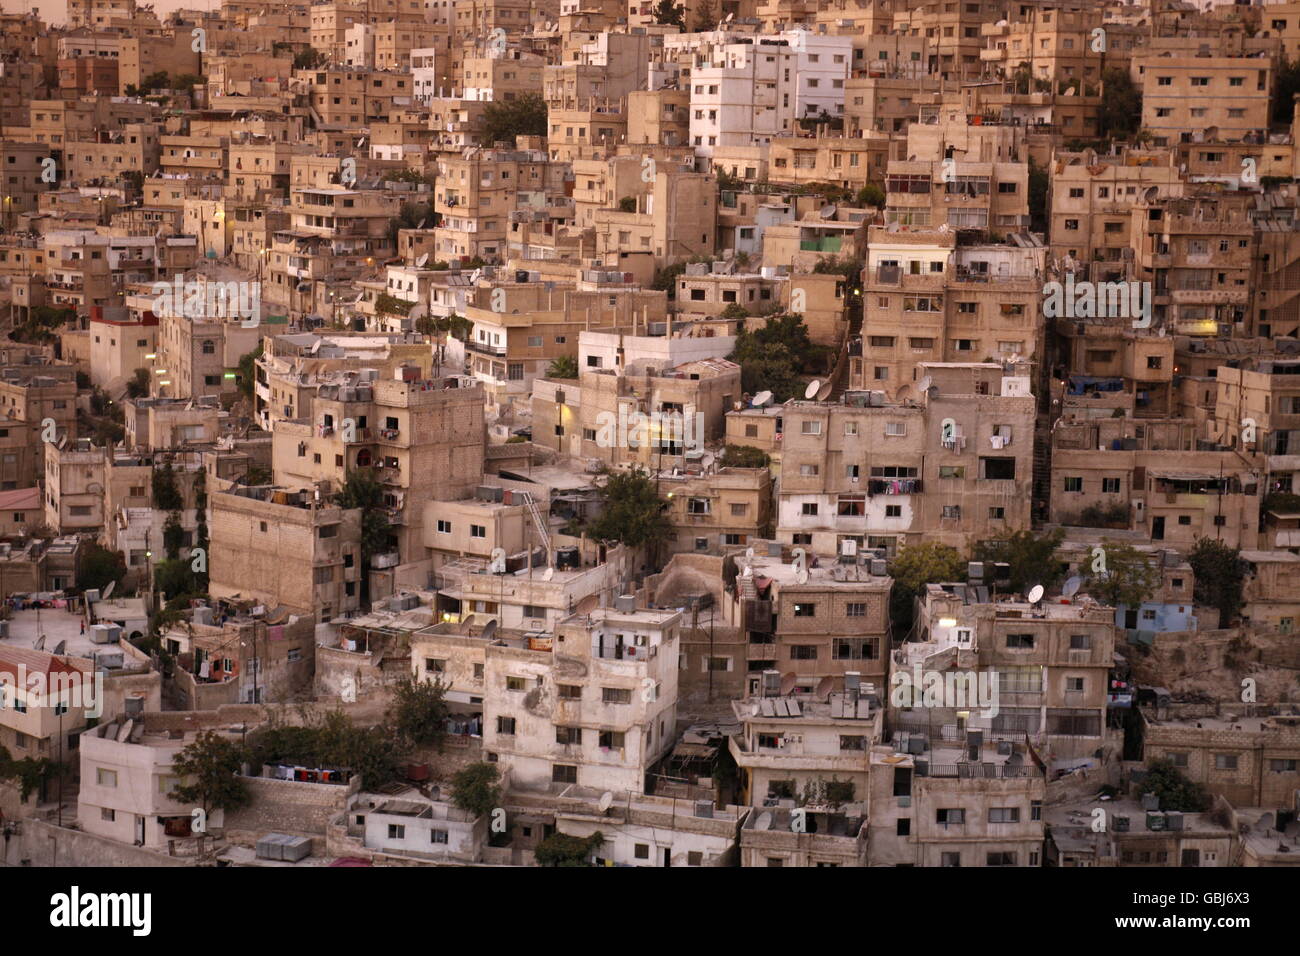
{"x": 1020, "y": 642}
{"x": 1225, "y": 761}
{"x": 615, "y": 695}
{"x": 564, "y": 773}
{"x": 1110, "y": 486}
{"x": 569, "y": 691}
{"x": 949, "y": 817}
{"x": 477, "y": 531}
{"x": 805, "y": 610}
{"x": 1073, "y": 484}
{"x": 998, "y": 469}
{"x": 568, "y": 735}
{"x": 611, "y": 739}
{"x": 853, "y": 742}
{"x": 1080, "y": 642}
{"x": 516, "y": 683}
{"x": 1177, "y": 759}
{"x": 433, "y": 665}
{"x": 810, "y": 428}
{"x": 437, "y": 836}
{"x": 1004, "y": 814}
{"x": 444, "y": 527}
{"x": 396, "y": 831}
{"x": 106, "y": 778}
{"x": 1000, "y": 858}
{"x": 803, "y": 652}
{"x": 506, "y": 726}
{"x": 855, "y": 609}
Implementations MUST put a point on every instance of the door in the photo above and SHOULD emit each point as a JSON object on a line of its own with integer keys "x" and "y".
{"x": 1131, "y": 618}
{"x": 668, "y": 853}
{"x": 139, "y": 831}
{"x": 1158, "y": 528}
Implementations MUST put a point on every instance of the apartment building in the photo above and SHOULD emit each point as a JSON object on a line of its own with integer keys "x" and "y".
{"x": 254, "y": 529}
{"x": 1182, "y": 93}
{"x": 716, "y": 510}
{"x": 423, "y": 438}
{"x": 33, "y": 396}
{"x": 47, "y": 699}
{"x": 1051, "y": 662}
{"x": 1248, "y": 759}
{"x": 1172, "y": 492}
{"x": 1254, "y": 410}
{"x": 954, "y": 464}
{"x": 927, "y": 297}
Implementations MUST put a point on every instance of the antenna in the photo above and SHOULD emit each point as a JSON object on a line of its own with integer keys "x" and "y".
{"x": 824, "y": 687}
{"x": 1035, "y": 594}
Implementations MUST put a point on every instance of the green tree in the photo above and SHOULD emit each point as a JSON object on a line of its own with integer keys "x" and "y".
{"x": 632, "y": 511}
{"x": 1032, "y": 557}
{"x": 627, "y": 204}
{"x": 1039, "y": 184}
{"x": 1175, "y": 791}
{"x": 734, "y": 311}
{"x": 1120, "y": 111}
{"x": 670, "y": 14}
{"x": 706, "y": 16}
{"x": 173, "y": 536}
{"x": 474, "y": 789}
{"x": 208, "y": 769}
{"x": 137, "y": 386}
{"x": 1220, "y": 577}
{"x": 98, "y": 567}
{"x": 175, "y": 578}
{"x": 871, "y": 195}
{"x": 362, "y": 489}
{"x": 248, "y": 371}
{"x": 166, "y": 495}
{"x": 419, "y": 711}
{"x": 309, "y": 59}
{"x": 560, "y": 849}
{"x": 503, "y": 120}
{"x": 201, "y": 526}
{"x": 30, "y": 773}
{"x": 912, "y": 569}
{"x": 409, "y": 216}
{"x": 771, "y": 357}
{"x": 744, "y": 456}
{"x": 1129, "y": 577}
{"x": 563, "y": 366}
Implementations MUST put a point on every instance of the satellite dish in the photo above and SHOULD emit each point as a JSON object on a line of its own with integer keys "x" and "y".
{"x": 548, "y": 574}
{"x": 606, "y": 800}
{"x": 813, "y": 388}
{"x": 1072, "y": 586}
{"x": 490, "y": 630}
{"x": 419, "y": 263}
{"x": 1035, "y": 594}
{"x": 925, "y": 383}
{"x": 58, "y": 648}
{"x": 761, "y": 399}
{"x": 824, "y": 687}
{"x": 40, "y": 643}
{"x": 109, "y": 590}
{"x": 788, "y": 682}
{"x": 764, "y": 821}
{"x": 589, "y": 604}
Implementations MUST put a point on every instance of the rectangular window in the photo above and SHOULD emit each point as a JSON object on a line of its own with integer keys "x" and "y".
{"x": 615, "y": 695}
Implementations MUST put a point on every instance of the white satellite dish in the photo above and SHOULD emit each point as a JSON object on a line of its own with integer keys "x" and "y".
{"x": 109, "y": 590}
{"x": 764, "y": 821}
{"x": 813, "y": 388}
{"x": 761, "y": 399}
{"x": 490, "y": 630}
{"x": 419, "y": 263}
{"x": 548, "y": 574}
{"x": 1072, "y": 586}
{"x": 925, "y": 383}
{"x": 606, "y": 800}
{"x": 1035, "y": 594}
